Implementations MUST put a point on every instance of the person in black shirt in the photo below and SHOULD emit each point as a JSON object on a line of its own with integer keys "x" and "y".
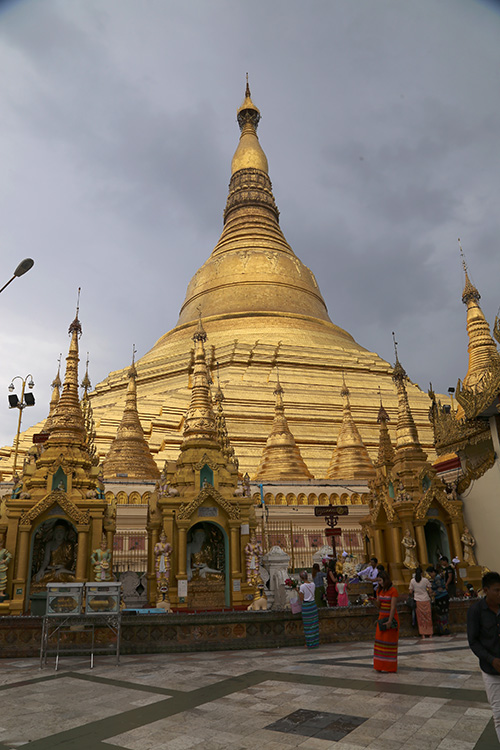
{"x": 449, "y": 576}
{"x": 483, "y": 632}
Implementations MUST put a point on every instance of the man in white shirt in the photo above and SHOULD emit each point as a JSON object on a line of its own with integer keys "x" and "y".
{"x": 371, "y": 571}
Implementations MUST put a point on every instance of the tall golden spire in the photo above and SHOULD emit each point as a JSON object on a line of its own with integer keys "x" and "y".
{"x": 385, "y": 450}
{"x": 54, "y": 400}
{"x": 482, "y": 349}
{"x": 253, "y": 268}
{"x": 281, "y": 458}
{"x": 406, "y": 431}
{"x": 221, "y": 427}
{"x": 129, "y": 453}
{"x": 350, "y": 459}
{"x": 88, "y": 415}
{"x": 200, "y": 418}
{"x": 68, "y": 425}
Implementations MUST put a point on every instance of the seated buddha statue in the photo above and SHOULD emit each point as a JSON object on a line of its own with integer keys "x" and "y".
{"x": 58, "y": 559}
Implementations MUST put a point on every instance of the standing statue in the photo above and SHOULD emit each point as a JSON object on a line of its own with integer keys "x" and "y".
{"x": 410, "y": 547}
{"x": 101, "y": 560}
{"x": 58, "y": 562}
{"x": 469, "y": 543}
{"x": 162, "y": 551}
{"x": 5, "y": 558}
{"x": 253, "y": 557}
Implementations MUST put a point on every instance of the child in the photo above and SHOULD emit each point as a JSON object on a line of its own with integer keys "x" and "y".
{"x": 342, "y": 588}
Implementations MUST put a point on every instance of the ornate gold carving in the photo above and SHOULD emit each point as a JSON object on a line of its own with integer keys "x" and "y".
{"x": 59, "y": 498}
{"x": 452, "y": 434}
{"x": 207, "y": 461}
{"x": 452, "y": 507}
{"x": 186, "y": 510}
{"x": 475, "y": 469}
{"x": 350, "y": 459}
{"x": 477, "y": 399}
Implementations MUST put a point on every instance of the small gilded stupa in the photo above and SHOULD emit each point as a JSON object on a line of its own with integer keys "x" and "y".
{"x": 350, "y": 459}
{"x": 129, "y": 455}
{"x": 281, "y": 459}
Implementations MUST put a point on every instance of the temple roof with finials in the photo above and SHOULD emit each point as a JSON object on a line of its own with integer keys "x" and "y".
{"x": 482, "y": 349}
{"x": 129, "y": 453}
{"x": 406, "y": 431}
{"x": 350, "y": 459}
{"x": 281, "y": 458}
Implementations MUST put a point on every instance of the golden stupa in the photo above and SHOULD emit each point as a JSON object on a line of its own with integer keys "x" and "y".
{"x": 261, "y": 307}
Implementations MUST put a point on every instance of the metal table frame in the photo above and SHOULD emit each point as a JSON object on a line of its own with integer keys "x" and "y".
{"x": 55, "y": 625}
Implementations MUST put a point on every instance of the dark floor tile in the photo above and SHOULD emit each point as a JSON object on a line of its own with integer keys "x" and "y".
{"x": 319, "y": 724}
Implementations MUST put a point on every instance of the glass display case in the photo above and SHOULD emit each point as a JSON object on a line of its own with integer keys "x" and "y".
{"x": 64, "y": 599}
{"x": 102, "y": 598}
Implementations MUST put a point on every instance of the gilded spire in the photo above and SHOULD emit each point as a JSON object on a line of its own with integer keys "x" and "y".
{"x": 221, "y": 427}
{"x": 249, "y": 154}
{"x": 200, "y": 418}
{"x": 88, "y": 414}
{"x": 129, "y": 453}
{"x": 482, "y": 349}
{"x": 67, "y": 421}
{"x": 54, "y": 400}
{"x": 350, "y": 459}
{"x": 281, "y": 458}
{"x": 406, "y": 431}
{"x": 252, "y": 268}
{"x": 385, "y": 449}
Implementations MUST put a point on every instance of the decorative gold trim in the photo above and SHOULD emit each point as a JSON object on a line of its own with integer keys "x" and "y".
{"x": 59, "y": 498}
{"x": 207, "y": 493}
{"x": 475, "y": 470}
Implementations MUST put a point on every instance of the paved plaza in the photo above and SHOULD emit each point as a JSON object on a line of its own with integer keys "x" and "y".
{"x": 280, "y": 698}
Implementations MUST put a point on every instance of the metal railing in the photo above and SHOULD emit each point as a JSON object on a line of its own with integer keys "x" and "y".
{"x": 130, "y": 551}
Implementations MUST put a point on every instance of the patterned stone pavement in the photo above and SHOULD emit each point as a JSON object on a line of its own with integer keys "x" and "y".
{"x": 279, "y": 698}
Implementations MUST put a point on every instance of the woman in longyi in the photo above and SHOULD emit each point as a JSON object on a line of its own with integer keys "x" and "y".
{"x": 385, "y": 654}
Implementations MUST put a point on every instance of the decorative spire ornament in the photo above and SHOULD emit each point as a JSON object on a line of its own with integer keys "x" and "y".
{"x": 281, "y": 457}
{"x": 199, "y": 423}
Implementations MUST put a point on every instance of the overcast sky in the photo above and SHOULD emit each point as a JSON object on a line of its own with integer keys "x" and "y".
{"x": 380, "y": 121}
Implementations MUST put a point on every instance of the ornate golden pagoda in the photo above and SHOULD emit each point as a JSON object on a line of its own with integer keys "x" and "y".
{"x": 385, "y": 455}
{"x": 201, "y": 510}
{"x": 281, "y": 459}
{"x": 350, "y": 459}
{"x": 56, "y": 513}
{"x": 129, "y": 455}
{"x": 262, "y": 306}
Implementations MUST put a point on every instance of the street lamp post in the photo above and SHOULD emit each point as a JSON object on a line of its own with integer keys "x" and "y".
{"x": 22, "y": 268}
{"x": 27, "y": 399}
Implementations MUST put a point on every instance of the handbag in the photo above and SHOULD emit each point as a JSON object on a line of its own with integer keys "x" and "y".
{"x": 384, "y": 624}
{"x": 296, "y": 606}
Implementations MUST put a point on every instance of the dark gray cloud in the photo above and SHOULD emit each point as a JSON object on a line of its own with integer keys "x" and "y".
{"x": 380, "y": 124}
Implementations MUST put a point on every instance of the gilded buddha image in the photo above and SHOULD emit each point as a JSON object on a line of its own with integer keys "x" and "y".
{"x": 205, "y": 553}
{"x": 54, "y": 553}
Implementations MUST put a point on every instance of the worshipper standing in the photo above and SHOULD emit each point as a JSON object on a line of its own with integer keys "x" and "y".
{"x": 342, "y": 588}
{"x": 310, "y": 618}
{"x": 483, "y": 632}
{"x": 385, "y": 653}
{"x": 331, "y": 583}
{"x": 449, "y": 576}
{"x": 441, "y": 600}
{"x": 421, "y": 587}
{"x": 319, "y": 582}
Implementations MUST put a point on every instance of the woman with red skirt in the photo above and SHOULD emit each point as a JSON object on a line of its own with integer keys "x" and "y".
{"x": 385, "y": 654}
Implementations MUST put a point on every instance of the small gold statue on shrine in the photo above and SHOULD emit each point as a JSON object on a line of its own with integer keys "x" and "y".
{"x": 253, "y": 557}
{"x": 101, "y": 560}
{"x": 162, "y": 552}
{"x": 469, "y": 543}
{"x": 410, "y": 547}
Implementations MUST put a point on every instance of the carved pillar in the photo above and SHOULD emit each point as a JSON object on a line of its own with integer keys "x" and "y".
{"x": 455, "y": 538}
{"x": 23, "y": 554}
{"x": 81, "y": 560}
{"x": 421, "y": 546}
{"x": 379, "y": 544}
{"x": 235, "y": 552}
{"x": 396, "y": 543}
{"x": 181, "y": 560}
